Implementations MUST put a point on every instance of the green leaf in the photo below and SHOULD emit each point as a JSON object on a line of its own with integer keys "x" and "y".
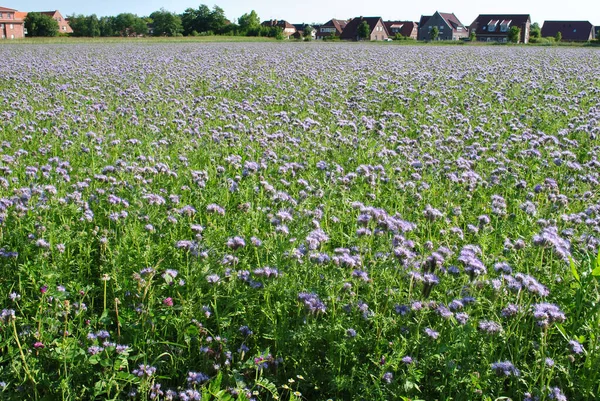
{"x": 267, "y": 385}
{"x": 596, "y": 271}
{"x": 574, "y": 270}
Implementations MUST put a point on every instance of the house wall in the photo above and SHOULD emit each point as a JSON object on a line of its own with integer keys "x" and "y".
{"x": 378, "y": 32}
{"x": 10, "y": 28}
{"x": 446, "y": 32}
{"x": 63, "y": 25}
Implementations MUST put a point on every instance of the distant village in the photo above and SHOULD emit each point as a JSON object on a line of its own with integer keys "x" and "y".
{"x": 502, "y": 28}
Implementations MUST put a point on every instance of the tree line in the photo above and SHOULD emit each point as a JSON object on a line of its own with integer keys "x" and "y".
{"x": 202, "y": 21}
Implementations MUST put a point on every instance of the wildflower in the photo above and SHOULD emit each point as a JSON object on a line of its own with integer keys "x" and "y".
{"x": 168, "y": 301}
{"x": 95, "y": 349}
{"x": 490, "y": 327}
{"x": 7, "y": 315}
{"x": 388, "y": 377}
{"x": 213, "y": 278}
{"x": 505, "y": 368}
{"x": 549, "y": 362}
{"x": 312, "y": 302}
{"x": 576, "y": 347}
{"x": 462, "y": 318}
{"x": 245, "y": 330}
{"x": 556, "y": 394}
{"x": 144, "y": 371}
{"x": 38, "y": 345}
{"x": 546, "y": 314}
{"x": 351, "y": 333}
{"x": 197, "y": 377}
{"x": 510, "y": 310}
{"x": 432, "y": 333}
{"x": 407, "y": 360}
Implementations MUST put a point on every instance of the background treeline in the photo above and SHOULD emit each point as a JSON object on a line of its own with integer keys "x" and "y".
{"x": 202, "y": 21}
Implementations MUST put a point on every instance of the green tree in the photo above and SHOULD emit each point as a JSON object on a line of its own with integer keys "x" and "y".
{"x": 78, "y": 25}
{"x": 363, "y": 30}
{"x": 535, "y": 32}
{"x": 472, "y": 36}
{"x": 107, "y": 26}
{"x": 166, "y": 23}
{"x": 308, "y": 30}
{"x": 38, "y": 24}
{"x": 93, "y": 25}
{"x": 249, "y": 23}
{"x": 203, "y": 20}
{"x": 434, "y": 33}
{"x": 558, "y": 36}
{"x": 514, "y": 34}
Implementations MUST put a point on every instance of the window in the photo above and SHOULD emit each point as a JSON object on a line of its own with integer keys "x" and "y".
{"x": 12, "y": 26}
{"x": 441, "y": 26}
{"x": 12, "y": 36}
{"x": 574, "y": 30}
{"x": 64, "y": 28}
{"x": 484, "y": 27}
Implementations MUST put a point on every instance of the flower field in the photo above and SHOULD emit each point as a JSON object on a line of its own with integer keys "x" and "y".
{"x": 270, "y": 221}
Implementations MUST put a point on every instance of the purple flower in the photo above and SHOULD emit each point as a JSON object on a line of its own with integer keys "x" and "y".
{"x": 556, "y": 394}
{"x": 505, "y": 368}
{"x": 95, "y": 349}
{"x": 432, "y": 333}
{"x": 351, "y": 333}
{"x": 388, "y": 377}
{"x": 576, "y": 347}
{"x": 490, "y": 327}
{"x": 407, "y": 360}
{"x": 546, "y": 314}
{"x": 144, "y": 371}
{"x": 312, "y": 302}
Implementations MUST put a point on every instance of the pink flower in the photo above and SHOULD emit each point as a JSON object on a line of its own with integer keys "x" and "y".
{"x": 43, "y": 289}
{"x": 38, "y": 345}
{"x": 168, "y": 301}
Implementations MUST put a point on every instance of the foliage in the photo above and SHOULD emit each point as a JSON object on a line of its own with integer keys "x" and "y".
{"x": 514, "y": 34}
{"x": 434, "y": 33}
{"x": 308, "y": 32}
{"x": 363, "y": 30}
{"x": 165, "y": 23}
{"x": 535, "y": 32}
{"x": 38, "y": 24}
{"x": 249, "y": 23}
{"x": 472, "y": 35}
{"x": 88, "y": 26}
{"x": 227, "y": 222}
{"x": 203, "y": 20}
{"x": 558, "y": 36}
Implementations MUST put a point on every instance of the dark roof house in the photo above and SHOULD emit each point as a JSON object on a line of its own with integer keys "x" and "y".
{"x": 333, "y": 27}
{"x": 571, "y": 31}
{"x": 376, "y": 28}
{"x": 407, "y": 29}
{"x": 496, "y": 27}
{"x": 287, "y": 28}
{"x": 449, "y": 27}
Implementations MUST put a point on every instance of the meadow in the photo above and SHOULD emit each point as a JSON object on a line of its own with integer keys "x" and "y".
{"x": 299, "y": 221}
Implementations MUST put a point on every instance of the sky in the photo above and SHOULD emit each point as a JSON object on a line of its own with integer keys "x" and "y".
{"x": 320, "y": 11}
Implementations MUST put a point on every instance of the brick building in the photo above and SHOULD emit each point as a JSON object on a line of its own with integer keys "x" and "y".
{"x": 11, "y": 27}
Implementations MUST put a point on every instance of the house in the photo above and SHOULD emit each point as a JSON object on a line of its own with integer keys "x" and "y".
{"x": 333, "y": 27}
{"x": 496, "y": 27}
{"x": 449, "y": 27}
{"x": 571, "y": 31}
{"x": 300, "y": 28}
{"x": 287, "y": 28}
{"x": 377, "y": 30}
{"x": 597, "y": 32}
{"x": 408, "y": 29}
{"x": 63, "y": 23}
{"x": 11, "y": 26}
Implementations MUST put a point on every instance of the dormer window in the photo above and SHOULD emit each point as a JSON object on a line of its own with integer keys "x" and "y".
{"x": 492, "y": 26}
{"x": 505, "y": 25}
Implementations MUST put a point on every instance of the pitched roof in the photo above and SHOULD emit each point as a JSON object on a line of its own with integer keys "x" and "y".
{"x": 21, "y": 14}
{"x": 570, "y": 30}
{"x": 424, "y": 19}
{"x": 406, "y": 27}
{"x": 498, "y": 19}
{"x": 351, "y": 29}
{"x": 338, "y": 24}
{"x": 280, "y": 23}
{"x": 452, "y": 20}
{"x": 7, "y": 9}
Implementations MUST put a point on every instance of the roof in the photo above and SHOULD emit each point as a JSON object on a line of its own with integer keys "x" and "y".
{"x": 338, "y": 24}
{"x": 452, "y": 20}
{"x": 570, "y": 30}
{"x": 424, "y": 19}
{"x": 498, "y": 19}
{"x": 406, "y": 27}
{"x": 351, "y": 29}
{"x": 7, "y": 9}
{"x": 280, "y": 23}
{"x": 21, "y": 14}
{"x": 49, "y": 13}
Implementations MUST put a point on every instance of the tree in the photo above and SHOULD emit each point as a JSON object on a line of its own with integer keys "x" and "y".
{"x": 107, "y": 26}
{"x": 38, "y": 24}
{"x": 166, "y": 23}
{"x": 363, "y": 30}
{"x": 203, "y": 20}
{"x": 249, "y": 23}
{"x": 558, "y": 36}
{"x": 93, "y": 25}
{"x": 535, "y": 31}
{"x": 514, "y": 34}
{"x": 472, "y": 35}
{"x": 308, "y": 30}
{"x": 434, "y": 33}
